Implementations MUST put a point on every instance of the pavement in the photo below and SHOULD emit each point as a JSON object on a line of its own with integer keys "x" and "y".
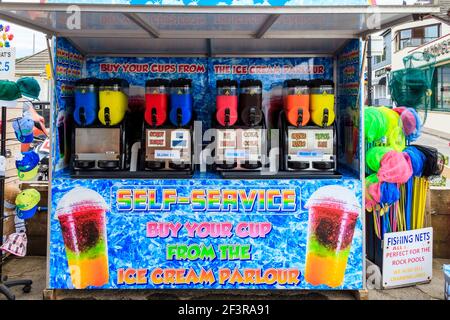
{"x": 34, "y": 268}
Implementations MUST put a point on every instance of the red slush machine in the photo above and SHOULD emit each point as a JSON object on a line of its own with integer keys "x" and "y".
{"x": 155, "y": 116}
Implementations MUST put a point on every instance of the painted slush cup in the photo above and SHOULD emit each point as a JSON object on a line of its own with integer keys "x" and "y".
{"x": 333, "y": 213}
{"x": 82, "y": 215}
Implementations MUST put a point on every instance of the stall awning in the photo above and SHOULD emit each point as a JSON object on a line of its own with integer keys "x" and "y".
{"x": 220, "y": 30}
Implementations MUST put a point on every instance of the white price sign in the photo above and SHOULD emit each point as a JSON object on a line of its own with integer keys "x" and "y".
{"x": 407, "y": 257}
{"x": 7, "y": 63}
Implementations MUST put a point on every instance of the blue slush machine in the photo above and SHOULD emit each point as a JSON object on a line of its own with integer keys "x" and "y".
{"x": 86, "y": 102}
{"x": 181, "y": 112}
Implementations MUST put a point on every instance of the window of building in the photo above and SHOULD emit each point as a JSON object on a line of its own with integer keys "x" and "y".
{"x": 415, "y": 37}
{"x": 442, "y": 88}
{"x": 379, "y": 59}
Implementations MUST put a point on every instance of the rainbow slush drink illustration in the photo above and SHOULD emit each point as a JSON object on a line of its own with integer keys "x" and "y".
{"x": 82, "y": 216}
{"x": 333, "y": 213}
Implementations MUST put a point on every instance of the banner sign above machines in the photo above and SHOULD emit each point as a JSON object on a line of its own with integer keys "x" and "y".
{"x": 275, "y": 3}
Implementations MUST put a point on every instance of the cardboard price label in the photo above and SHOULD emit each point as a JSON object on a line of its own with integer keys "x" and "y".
{"x": 7, "y": 63}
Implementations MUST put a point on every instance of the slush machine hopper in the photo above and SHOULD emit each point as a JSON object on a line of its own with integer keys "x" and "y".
{"x": 240, "y": 124}
{"x": 99, "y": 131}
{"x": 167, "y": 132}
{"x": 308, "y": 134}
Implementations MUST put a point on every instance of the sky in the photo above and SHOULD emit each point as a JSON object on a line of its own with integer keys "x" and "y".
{"x": 23, "y": 40}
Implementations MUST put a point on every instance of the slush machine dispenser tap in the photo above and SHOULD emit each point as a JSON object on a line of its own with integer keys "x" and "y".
{"x": 86, "y": 101}
{"x": 156, "y": 97}
{"x": 296, "y": 104}
{"x": 322, "y": 102}
{"x": 250, "y": 102}
{"x": 226, "y": 102}
{"x": 181, "y": 103}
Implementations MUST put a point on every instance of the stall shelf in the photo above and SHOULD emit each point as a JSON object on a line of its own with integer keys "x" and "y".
{"x": 207, "y": 232}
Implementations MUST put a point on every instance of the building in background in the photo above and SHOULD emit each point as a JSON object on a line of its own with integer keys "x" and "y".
{"x": 35, "y": 66}
{"x": 381, "y": 65}
{"x": 430, "y": 34}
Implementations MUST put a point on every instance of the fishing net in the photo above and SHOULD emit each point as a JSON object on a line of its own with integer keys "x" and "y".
{"x": 417, "y": 160}
{"x": 374, "y": 191}
{"x": 389, "y": 193}
{"x": 374, "y": 156}
{"x": 395, "y": 167}
{"x": 396, "y": 139}
{"x": 434, "y": 161}
{"x": 412, "y": 85}
{"x": 374, "y": 124}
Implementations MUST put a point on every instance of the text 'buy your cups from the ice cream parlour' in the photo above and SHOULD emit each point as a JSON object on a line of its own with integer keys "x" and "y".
{"x": 211, "y": 200}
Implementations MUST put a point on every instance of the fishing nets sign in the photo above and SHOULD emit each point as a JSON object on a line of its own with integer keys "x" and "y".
{"x": 407, "y": 257}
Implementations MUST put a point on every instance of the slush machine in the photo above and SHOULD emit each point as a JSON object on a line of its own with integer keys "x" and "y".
{"x": 307, "y": 131}
{"x": 240, "y": 127}
{"x": 167, "y": 132}
{"x": 99, "y": 131}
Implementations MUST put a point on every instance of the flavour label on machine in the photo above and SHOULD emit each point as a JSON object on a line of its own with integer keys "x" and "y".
{"x": 251, "y": 138}
{"x": 298, "y": 139}
{"x": 156, "y": 138}
{"x": 226, "y": 139}
{"x": 323, "y": 140}
{"x": 179, "y": 139}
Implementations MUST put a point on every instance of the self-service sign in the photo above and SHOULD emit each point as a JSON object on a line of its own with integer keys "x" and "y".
{"x": 407, "y": 257}
{"x": 7, "y": 63}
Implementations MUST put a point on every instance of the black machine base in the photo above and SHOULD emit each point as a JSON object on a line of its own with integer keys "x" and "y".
{"x": 166, "y": 174}
{"x": 242, "y": 174}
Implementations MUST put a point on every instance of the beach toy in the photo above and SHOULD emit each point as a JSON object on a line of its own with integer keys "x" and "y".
{"x": 26, "y": 203}
{"x": 9, "y": 90}
{"x": 23, "y": 129}
{"x": 28, "y": 175}
{"x": 27, "y": 161}
{"x": 296, "y": 102}
{"x": 113, "y": 101}
{"x": 374, "y": 156}
{"x": 156, "y": 101}
{"x": 181, "y": 109}
{"x": 226, "y": 102}
{"x": 322, "y": 102}
{"x": 86, "y": 101}
{"x": 16, "y": 244}
{"x": 29, "y": 87}
{"x": 395, "y": 167}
